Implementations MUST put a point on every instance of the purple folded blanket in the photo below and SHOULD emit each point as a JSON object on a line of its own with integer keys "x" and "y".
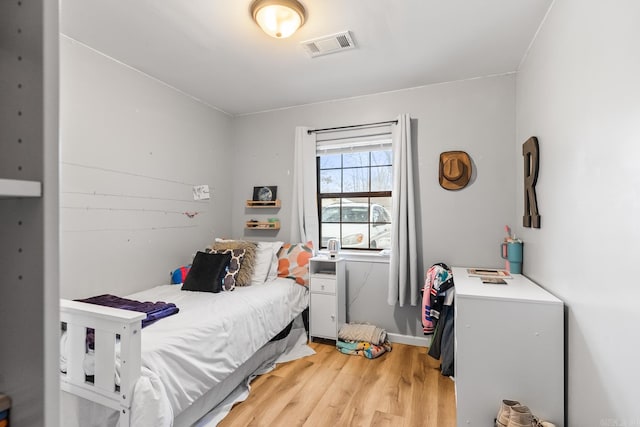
{"x": 155, "y": 310}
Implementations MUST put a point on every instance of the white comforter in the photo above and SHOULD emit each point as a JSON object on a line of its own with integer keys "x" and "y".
{"x": 187, "y": 354}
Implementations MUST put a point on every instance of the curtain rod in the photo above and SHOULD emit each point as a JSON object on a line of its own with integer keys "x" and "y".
{"x": 310, "y": 131}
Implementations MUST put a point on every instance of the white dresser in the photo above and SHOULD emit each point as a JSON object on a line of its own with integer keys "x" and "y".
{"x": 328, "y": 306}
{"x": 509, "y": 344}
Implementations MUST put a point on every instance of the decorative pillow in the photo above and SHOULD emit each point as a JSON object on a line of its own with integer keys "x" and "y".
{"x": 178, "y": 275}
{"x": 243, "y": 278}
{"x": 229, "y": 280}
{"x": 293, "y": 262}
{"x": 266, "y": 254}
{"x": 207, "y": 272}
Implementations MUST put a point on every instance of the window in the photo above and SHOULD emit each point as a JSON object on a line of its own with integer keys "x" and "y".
{"x": 354, "y": 195}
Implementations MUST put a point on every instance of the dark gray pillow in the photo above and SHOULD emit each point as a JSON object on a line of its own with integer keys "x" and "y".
{"x": 207, "y": 272}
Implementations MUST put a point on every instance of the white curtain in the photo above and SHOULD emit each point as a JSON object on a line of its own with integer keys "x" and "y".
{"x": 403, "y": 265}
{"x": 304, "y": 218}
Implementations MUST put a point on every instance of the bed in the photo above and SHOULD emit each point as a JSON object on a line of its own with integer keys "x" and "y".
{"x": 176, "y": 369}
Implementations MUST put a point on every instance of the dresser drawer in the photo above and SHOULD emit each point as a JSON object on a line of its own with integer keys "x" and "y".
{"x": 323, "y": 284}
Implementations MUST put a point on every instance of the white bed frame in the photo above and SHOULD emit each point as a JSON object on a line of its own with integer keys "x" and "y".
{"x": 107, "y": 323}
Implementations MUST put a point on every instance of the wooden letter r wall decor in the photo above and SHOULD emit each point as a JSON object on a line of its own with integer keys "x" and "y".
{"x": 530, "y": 153}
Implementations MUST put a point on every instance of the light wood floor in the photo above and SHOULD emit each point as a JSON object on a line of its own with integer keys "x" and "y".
{"x": 401, "y": 388}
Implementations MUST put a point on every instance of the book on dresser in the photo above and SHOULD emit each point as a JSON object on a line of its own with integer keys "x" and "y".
{"x": 488, "y": 272}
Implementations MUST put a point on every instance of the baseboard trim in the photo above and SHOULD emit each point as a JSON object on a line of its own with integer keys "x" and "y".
{"x": 409, "y": 339}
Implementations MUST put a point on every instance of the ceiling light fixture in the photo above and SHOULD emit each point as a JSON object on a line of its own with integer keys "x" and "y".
{"x": 278, "y": 18}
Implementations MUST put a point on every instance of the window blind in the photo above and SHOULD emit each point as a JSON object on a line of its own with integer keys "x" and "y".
{"x": 374, "y": 138}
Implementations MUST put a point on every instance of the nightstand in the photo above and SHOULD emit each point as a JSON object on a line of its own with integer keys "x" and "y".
{"x": 328, "y": 305}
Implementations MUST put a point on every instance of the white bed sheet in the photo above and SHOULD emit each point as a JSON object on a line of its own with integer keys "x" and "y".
{"x": 187, "y": 354}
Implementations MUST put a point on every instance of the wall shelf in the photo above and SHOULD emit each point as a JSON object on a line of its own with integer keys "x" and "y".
{"x": 13, "y": 188}
{"x": 263, "y": 204}
{"x": 262, "y": 225}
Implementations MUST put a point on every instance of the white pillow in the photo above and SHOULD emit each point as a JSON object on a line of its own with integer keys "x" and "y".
{"x": 273, "y": 270}
{"x": 266, "y": 265}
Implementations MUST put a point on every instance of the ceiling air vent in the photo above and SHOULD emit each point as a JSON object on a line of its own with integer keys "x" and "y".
{"x": 329, "y": 44}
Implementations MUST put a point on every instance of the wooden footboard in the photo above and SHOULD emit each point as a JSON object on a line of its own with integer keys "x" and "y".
{"x": 111, "y": 325}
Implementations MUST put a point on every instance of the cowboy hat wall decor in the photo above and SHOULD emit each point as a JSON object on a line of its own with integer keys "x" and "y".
{"x": 455, "y": 170}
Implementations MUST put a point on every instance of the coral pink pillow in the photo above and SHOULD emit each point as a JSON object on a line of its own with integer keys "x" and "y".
{"x": 293, "y": 262}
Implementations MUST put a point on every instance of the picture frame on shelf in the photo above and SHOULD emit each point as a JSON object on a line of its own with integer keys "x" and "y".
{"x": 265, "y": 193}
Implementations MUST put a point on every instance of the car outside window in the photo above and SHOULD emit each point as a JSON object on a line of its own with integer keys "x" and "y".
{"x": 354, "y": 199}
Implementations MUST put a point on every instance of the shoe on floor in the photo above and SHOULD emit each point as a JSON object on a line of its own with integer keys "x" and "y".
{"x": 520, "y": 416}
{"x": 502, "y": 419}
{"x": 541, "y": 423}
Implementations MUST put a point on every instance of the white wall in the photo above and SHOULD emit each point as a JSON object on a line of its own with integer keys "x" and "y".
{"x": 131, "y": 149}
{"x": 459, "y": 228}
{"x": 579, "y": 93}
